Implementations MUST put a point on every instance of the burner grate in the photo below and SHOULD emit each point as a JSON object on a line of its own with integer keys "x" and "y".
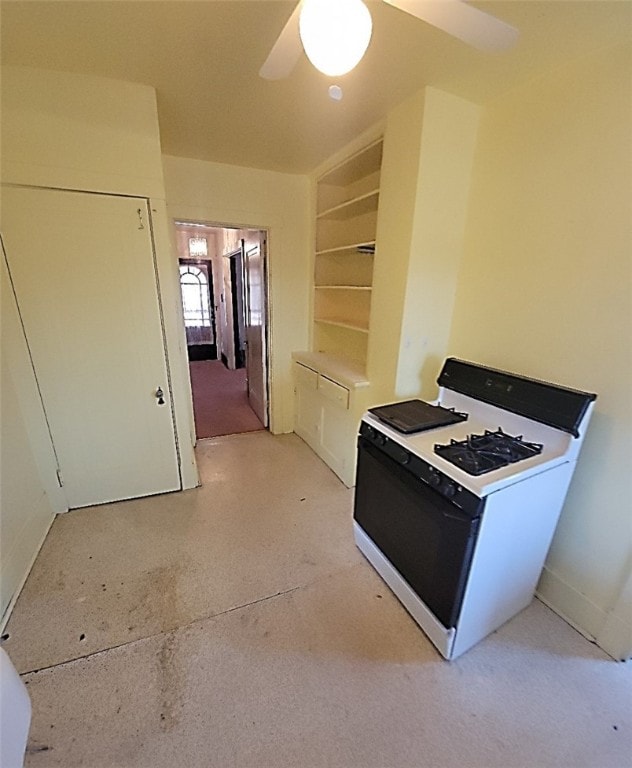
{"x": 478, "y": 454}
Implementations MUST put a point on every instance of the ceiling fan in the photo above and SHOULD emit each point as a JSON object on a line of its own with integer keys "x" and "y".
{"x": 309, "y": 24}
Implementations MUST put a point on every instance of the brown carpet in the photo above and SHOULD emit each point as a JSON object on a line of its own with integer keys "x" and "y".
{"x": 220, "y": 400}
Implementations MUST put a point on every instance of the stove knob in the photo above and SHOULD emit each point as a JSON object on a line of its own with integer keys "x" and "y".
{"x": 449, "y": 489}
{"x": 369, "y": 432}
{"x": 380, "y": 439}
{"x": 435, "y": 479}
{"x": 401, "y": 455}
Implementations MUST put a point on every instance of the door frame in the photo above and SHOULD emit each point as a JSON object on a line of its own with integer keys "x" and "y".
{"x": 236, "y": 266}
{"x": 264, "y": 230}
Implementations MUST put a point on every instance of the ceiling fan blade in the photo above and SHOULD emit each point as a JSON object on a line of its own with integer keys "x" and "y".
{"x": 474, "y": 27}
{"x": 285, "y": 52}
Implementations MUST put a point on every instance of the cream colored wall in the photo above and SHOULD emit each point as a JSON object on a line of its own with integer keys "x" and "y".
{"x": 29, "y": 493}
{"x": 398, "y": 192}
{"x": 429, "y": 145}
{"x": 244, "y": 197}
{"x": 26, "y": 510}
{"x": 79, "y": 132}
{"x": 448, "y": 141}
{"x": 545, "y": 290}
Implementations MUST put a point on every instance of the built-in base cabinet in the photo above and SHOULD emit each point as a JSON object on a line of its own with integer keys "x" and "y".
{"x": 324, "y": 419}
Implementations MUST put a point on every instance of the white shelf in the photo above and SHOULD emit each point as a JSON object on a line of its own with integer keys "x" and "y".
{"x": 347, "y": 372}
{"x": 351, "y": 247}
{"x": 342, "y": 324}
{"x": 353, "y": 207}
{"x": 343, "y": 287}
{"x": 362, "y": 163}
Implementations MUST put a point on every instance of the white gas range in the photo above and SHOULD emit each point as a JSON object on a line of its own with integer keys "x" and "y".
{"x": 457, "y": 501}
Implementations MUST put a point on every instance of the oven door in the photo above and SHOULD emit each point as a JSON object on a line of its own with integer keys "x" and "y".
{"x": 428, "y": 540}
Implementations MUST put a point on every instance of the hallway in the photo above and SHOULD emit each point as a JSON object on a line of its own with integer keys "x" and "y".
{"x": 220, "y": 400}
{"x": 236, "y": 625}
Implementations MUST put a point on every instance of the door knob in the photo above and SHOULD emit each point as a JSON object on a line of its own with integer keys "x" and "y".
{"x": 160, "y": 396}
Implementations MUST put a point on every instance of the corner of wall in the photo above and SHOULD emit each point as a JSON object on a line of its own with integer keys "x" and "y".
{"x": 570, "y": 604}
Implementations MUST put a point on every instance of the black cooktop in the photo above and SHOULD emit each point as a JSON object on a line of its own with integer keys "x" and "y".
{"x": 416, "y": 416}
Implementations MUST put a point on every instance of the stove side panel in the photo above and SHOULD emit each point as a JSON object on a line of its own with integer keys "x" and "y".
{"x": 516, "y": 531}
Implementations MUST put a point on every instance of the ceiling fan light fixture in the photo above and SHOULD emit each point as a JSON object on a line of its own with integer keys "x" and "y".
{"x": 335, "y": 34}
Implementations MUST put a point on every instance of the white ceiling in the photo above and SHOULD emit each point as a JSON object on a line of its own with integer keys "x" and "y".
{"x": 203, "y": 59}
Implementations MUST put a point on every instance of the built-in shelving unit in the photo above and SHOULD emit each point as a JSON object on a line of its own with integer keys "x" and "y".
{"x": 346, "y": 221}
{"x": 331, "y": 380}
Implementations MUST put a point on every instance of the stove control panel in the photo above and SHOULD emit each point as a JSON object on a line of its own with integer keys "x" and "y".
{"x": 433, "y": 477}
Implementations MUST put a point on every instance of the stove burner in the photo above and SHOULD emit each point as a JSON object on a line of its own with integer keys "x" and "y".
{"x": 478, "y": 454}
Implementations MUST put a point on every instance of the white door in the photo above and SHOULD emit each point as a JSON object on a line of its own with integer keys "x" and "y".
{"x": 84, "y": 275}
{"x": 256, "y": 347}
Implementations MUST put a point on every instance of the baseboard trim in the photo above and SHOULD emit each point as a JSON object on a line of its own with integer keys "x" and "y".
{"x": 574, "y": 607}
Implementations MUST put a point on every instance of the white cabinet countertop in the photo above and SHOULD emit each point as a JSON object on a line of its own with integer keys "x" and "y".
{"x": 345, "y": 372}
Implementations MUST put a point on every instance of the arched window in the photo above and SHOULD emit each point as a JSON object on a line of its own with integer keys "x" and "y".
{"x": 195, "y": 298}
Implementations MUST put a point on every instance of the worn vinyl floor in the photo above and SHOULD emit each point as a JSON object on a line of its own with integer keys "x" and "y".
{"x": 236, "y": 625}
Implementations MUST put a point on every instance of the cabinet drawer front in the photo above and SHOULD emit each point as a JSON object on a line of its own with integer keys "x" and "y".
{"x": 332, "y": 391}
{"x": 306, "y": 377}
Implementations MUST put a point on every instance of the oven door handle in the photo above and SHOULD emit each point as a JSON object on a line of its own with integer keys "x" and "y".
{"x": 460, "y": 517}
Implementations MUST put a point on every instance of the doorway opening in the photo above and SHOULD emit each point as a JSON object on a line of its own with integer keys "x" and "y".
{"x": 224, "y": 300}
